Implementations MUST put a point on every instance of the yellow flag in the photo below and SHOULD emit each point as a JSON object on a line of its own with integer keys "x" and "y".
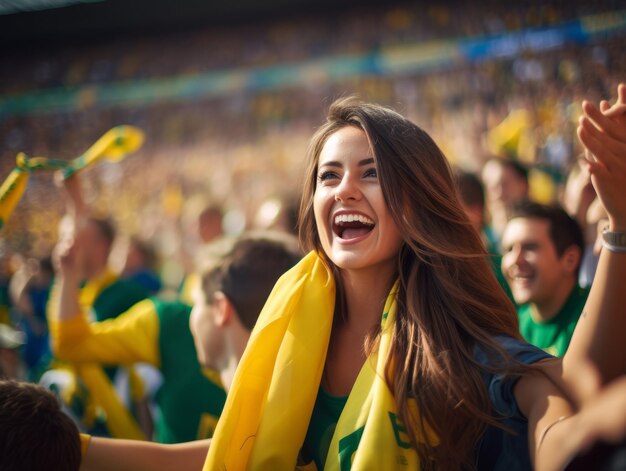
{"x": 11, "y": 192}
{"x": 114, "y": 145}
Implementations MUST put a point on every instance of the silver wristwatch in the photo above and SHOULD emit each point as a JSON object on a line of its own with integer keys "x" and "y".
{"x": 614, "y": 241}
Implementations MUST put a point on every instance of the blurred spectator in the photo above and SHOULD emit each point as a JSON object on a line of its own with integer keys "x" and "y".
{"x": 10, "y": 362}
{"x": 542, "y": 251}
{"x": 140, "y": 265}
{"x": 103, "y": 295}
{"x": 209, "y": 227}
{"x": 254, "y": 137}
{"x": 6, "y": 272}
{"x": 210, "y": 223}
{"x": 30, "y": 287}
{"x": 278, "y": 214}
{"x": 577, "y": 199}
{"x": 506, "y": 184}
{"x": 472, "y": 198}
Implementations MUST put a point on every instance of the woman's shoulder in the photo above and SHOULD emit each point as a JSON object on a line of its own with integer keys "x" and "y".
{"x": 516, "y": 349}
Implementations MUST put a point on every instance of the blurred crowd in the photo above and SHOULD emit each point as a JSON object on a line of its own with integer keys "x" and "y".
{"x": 244, "y": 153}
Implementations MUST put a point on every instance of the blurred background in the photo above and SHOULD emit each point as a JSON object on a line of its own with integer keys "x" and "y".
{"x": 229, "y": 93}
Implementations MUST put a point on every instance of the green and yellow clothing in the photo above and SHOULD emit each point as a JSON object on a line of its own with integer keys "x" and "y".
{"x": 187, "y": 287}
{"x": 103, "y": 297}
{"x": 554, "y": 335}
{"x": 326, "y": 413}
{"x": 155, "y": 332}
{"x": 107, "y": 296}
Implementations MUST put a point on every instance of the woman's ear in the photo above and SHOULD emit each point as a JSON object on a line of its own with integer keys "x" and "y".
{"x": 224, "y": 309}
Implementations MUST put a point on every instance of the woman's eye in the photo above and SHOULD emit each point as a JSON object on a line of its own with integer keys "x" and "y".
{"x": 371, "y": 172}
{"x": 324, "y": 176}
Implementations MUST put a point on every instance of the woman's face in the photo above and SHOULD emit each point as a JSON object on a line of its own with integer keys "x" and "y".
{"x": 355, "y": 227}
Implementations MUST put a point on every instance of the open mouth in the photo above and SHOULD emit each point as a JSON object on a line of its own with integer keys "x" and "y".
{"x": 523, "y": 278}
{"x": 351, "y": 226}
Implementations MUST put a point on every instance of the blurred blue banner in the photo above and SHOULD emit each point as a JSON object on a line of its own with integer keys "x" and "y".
{"x": 393, "y": 60}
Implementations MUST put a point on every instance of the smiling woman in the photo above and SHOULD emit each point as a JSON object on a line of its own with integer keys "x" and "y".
{"x": 416, "y": 351}
{"x": 356, "y": 230}
{"x": 392, "y": 346}
{"x": 368, "y": 160}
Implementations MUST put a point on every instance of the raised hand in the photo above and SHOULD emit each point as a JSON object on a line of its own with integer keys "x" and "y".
{"x": 603, "y": 133}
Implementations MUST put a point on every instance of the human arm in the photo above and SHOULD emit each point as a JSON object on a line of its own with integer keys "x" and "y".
{"x": 557, "y": 433}
{"x": 105, "y": 454}
{"x": 75, "y": 205}
{"x": 547, "y": 409}
{"x": 598, "y": 338}
{"x": 591, "y": 368}
{"x": 129, "y": 338}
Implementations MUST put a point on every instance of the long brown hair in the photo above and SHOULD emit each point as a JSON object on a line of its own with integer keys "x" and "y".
{"x": 449, "y": 302}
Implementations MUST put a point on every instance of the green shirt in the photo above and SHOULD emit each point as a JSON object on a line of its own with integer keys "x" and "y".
{"x": 190, "y": 402}
{"x": 324, "y": 418}
{"x": 553, "y": 335}
{"x": 155, "y": 332}
{"x": 117, "y": 298}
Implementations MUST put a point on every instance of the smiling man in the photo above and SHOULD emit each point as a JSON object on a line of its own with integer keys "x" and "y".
{"x": 542, "y": 248}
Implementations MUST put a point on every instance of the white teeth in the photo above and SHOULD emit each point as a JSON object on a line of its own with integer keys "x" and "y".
{"x": 353, "y": 217}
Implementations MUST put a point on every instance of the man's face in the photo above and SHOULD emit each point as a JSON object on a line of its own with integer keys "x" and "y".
{"x": 503, "y": 185}
{"x": 530, "y": 262}
{"x": 207, "y": 335}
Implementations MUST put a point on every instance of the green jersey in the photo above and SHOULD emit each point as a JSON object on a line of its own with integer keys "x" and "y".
{"x": 553, "y": 335}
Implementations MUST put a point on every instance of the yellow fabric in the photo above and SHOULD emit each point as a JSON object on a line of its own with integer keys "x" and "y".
{"x": 11, "y": 192}
{"x": 85, "y": 440}
{"x": 120, "y": 422}
{"x": 189, "y": 286}
{"x": 271, "y": 400}
{"x": 114, "y": 145}
{"x": 129, "y": 338}
{"x": 14, "y": 186}
{"x": 507, "y": 134}
{"x": 93, "y": 288}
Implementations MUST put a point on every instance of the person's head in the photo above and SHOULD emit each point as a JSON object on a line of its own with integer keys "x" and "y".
{"x": 235, "y": 283}
{"x": 34, "y": 432}
{"x": 379, "y": 194}
{"x": 506, "y": 181}
{"x": 472, "y": 197}
{"x": 140, "y": 254}
{"x": 210, "y": 223}
{"x": 97, "y": 237}
{"x": 542, "y": 249}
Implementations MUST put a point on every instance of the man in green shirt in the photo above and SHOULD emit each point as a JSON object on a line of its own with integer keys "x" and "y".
{"x": 542, "y": 250}
{"x": 87, "y": 389}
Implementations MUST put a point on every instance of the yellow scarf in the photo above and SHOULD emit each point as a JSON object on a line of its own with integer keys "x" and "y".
{"x": 274, "y": 389}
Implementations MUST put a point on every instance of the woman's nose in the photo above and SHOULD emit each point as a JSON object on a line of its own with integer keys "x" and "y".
{"x": 347, "y": 189}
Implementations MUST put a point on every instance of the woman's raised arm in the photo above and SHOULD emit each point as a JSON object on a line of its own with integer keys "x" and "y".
{"x": 599, "y": 336}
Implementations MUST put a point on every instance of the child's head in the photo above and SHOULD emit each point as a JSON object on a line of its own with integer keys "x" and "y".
{"x": 34, "y": 432}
